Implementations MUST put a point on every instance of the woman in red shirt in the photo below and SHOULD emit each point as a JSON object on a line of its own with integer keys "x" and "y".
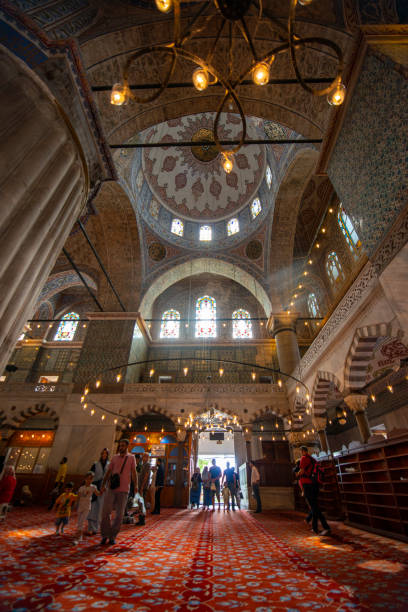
{"x": 7, "y": 484}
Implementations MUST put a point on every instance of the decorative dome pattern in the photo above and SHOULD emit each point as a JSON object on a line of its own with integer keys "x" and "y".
{"x": 189, "y": 181}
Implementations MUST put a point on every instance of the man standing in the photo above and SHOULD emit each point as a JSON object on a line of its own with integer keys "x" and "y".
{"x": 159, "y": 486}
{"x": 255, "y": 482}
{"x": 311, "y": 491}
{"x": 215, "y": 474}
{"x": 228, "y": 477}
{"x": 144, "y": 478}
{"x": 121, "y": 471}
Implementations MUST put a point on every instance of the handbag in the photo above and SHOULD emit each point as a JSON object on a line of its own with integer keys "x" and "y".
{"x": 114, "y": 480}
{"x": 213, "y": 487}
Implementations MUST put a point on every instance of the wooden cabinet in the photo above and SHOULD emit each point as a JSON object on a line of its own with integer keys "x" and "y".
{"x": 373, "y": 483}
{"x": 329, "y": 494}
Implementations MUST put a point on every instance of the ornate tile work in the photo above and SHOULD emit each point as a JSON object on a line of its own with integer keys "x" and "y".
{"x": 369, "y": 164}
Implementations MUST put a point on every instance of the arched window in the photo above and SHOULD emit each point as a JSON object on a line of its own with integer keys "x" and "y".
{"x": 256, "y": 208}
{"x": 268, "y": 176}
{"x": 232, "y": 227}
{"x": 348, "y": 229}
{"x": 67, "y": 327}
{"x": 334, "y": 268}
{"x": 313, "y": 305}
{"x": 205, "y": 233}
{"x": 177, "y": 227}
{"x": 206, "y": 314}
{"x": 170, "y": 324}
{"x": 241, "y": 324}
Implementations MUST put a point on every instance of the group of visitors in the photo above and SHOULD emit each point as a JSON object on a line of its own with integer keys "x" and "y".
{"x": 211, "y": 480}
{"x": 112, "y": 492}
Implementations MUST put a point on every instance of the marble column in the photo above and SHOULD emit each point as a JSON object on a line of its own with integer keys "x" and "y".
{"x": 284, "y": 332}
{"x": 358, "y": 404}
{"x": 320, "y": 424}
{"x": 44, "y": 184}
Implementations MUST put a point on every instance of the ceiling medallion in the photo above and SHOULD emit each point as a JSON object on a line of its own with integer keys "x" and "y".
{"x": 204, "y": 152}
{"x": 254, "y": 249}
{"x": 227, "y": 20}
{"x": 157, "y": 252}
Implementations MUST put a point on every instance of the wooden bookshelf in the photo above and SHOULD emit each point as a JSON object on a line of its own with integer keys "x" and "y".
{"x": 373, "y": 483}
{"x": 329, "y": 493}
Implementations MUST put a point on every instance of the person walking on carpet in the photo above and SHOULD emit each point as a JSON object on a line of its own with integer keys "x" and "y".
{"x": 311, "y": 491}
{"x": 98, "y": 468}
{"x": 121, "y": 471}
{"x": 159, "y": 486}
{"x": 255, "y": 482}
{"x": 215, "y": 474}
{"x": 195, "y": 490}
{"x": 206, "y": 480}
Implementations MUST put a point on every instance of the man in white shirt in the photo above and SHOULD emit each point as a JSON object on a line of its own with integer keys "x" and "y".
{"x": 255, "y": 482}
{"x": 123, "y": 466}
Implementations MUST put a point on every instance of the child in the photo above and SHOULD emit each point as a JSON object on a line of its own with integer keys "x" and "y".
{"x": 84, "y": 504}
{"x": 63, "y": 506}
{"x": 226, "y": 496}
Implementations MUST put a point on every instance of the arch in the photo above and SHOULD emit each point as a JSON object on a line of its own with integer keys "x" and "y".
{"x": 63, "y": 280}
{"x": 149, "y": 409}
{"x": 23, "y": 415}
{"x": 323, "y": 387}
{"x": 361, "y": 351}
{"x": 198, "y": 266}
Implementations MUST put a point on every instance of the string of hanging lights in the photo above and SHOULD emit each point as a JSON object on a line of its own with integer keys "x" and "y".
{"x": 212, "y": 20}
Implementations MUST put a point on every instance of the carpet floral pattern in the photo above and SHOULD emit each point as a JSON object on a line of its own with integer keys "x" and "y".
{"x": 199, "y": 561}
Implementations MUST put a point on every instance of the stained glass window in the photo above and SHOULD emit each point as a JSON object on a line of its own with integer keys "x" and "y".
{"x": 205, "y": 232}
{"x": 256, "y": 208}
{"x": 334, "y": 268}
{"x": 67, "y": 327}
{"x": 232, "y": 227}
{"x": 170, "y": 324}
{"x": 206, "y": 313}
{"x": 313, "y": 305}
{"x": 241, "y": 324}
{"x": 268, "y": 176}
{"x": 177, "y": 227}
{"x": 348, "y": 229}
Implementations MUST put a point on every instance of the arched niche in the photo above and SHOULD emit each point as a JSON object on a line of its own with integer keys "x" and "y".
{"x": 198, "y": 266}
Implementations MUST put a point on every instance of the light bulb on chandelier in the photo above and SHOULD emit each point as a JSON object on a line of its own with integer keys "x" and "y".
{"x": 200, "y": 79}
{"x": 260, "y": 73}
{"x": 119, "y": 95}
{"x": 337, "y": 95}
{"x": 227, "y": 162}
{"x": 164, "y": 6}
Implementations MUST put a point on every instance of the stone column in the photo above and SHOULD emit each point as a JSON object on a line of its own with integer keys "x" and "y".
{"x": 284, "y": 332}
{"x": 357, "y": 404}
{"x": 247, "y": 431}
{"x": 43, "y": 187}
{"x": 320, "y": 424}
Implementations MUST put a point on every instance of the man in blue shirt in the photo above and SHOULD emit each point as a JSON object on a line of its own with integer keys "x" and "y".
{"x": 215, "y": 474}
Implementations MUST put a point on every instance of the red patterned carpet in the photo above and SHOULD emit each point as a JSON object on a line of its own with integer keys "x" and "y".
{"x": 200, "y": 561}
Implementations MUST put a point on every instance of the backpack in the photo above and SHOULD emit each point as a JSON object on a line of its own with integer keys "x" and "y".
{"x": 317, "y": 474}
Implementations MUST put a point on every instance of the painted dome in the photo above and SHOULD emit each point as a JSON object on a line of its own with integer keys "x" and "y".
{"x": 189, "y": 181}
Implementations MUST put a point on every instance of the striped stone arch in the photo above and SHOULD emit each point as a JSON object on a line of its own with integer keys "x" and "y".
{"x": 18, "y": 419}
{"x": 324, "y": 384}
{"x": 148, "y": 408}
{"x": 361, "y": 351}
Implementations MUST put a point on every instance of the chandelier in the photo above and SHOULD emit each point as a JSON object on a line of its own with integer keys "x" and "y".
{"x": 229, "y": 18}
{"x": 212, "y": 421}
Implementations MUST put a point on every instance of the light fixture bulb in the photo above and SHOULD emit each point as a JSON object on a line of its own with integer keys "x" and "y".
{"x": 390, "y": 388}
{"x": 221, "y": 371}
{"x": 98, "y": 384}
{"x": 118, "y": 377}
{"x": 119, "y": 94}
{"x": 337, "y": 95}
{"x": 260, "y": 73}
{"x": 227, "y": 163}
{"x": 372, "y": 396}
{"x": 305, "y": 2}
{"x": 185, "y": 371}
{"x": 164, "y": 6}
{"x": 253, "y": 375}
{"x": 200, "y": 79}
{"x": 151, "y": 372}
{"x": 279, "y": 383}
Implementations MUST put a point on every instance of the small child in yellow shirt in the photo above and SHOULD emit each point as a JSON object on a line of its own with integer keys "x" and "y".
{"x": 63, "y": 507}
